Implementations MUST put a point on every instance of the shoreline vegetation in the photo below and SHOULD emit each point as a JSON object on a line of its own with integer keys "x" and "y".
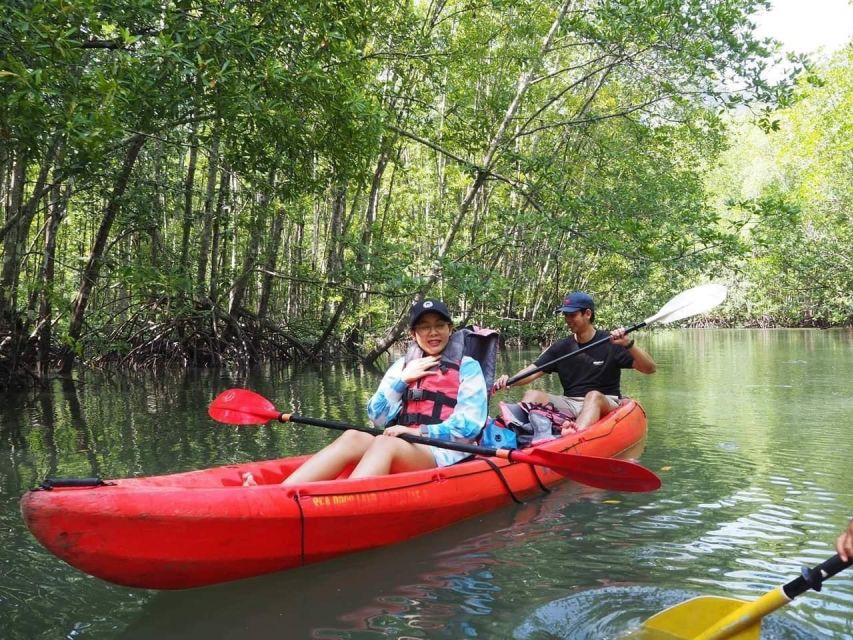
{"x": 223, "y": 183}
{"x": 247, "y": 343}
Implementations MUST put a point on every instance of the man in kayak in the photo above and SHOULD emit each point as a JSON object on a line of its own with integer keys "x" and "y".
{"x": 590, "y": 380}
{"x": 433, "y": 391}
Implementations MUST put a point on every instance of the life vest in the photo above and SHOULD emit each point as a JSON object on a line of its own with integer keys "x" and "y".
{"x": 431, "y": 399}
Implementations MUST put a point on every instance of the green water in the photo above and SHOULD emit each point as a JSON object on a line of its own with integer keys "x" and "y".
{"x": 750, "y": 431}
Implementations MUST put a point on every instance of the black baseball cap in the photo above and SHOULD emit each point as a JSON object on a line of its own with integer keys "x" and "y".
{"x": 426, "y": 306}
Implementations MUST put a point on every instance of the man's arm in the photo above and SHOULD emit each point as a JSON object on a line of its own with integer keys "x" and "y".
{"x": 500, "y": 383}
{"x": 643, "y": 362}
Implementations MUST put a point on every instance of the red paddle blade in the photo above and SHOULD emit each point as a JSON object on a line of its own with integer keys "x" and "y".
{"x": 603, "y": 473}
{"x": 241, "y": 406}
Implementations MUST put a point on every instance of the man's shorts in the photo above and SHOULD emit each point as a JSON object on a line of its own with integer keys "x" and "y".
{"x": 572, "y": 405}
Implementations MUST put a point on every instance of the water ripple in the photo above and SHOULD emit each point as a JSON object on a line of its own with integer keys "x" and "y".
{"x": 589, "y": 615}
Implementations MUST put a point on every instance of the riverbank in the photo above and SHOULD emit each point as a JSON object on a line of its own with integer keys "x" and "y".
{"x": 202, "y": 343}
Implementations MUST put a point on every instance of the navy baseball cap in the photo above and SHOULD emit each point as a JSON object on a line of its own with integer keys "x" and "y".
{"x": 426, "y": 306}
{"x": 576, "y": 301}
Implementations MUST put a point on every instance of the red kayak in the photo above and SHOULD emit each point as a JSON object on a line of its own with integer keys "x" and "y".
{"x": 204, "y": 527}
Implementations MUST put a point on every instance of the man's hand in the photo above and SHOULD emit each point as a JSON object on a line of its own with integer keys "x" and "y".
{"x": 620, "y": 337}
{"x": 419, "y": 368}
{"x": 844, "y": 544}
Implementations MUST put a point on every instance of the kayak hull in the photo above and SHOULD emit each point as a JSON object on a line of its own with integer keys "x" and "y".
{"x": 204, "y": 527}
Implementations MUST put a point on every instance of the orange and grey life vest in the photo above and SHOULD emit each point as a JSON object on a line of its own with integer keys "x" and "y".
{"x": 432, "y": 399}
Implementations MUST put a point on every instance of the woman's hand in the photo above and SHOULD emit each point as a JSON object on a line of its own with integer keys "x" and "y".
{"x": 398, "y": 430}
{"x": 419, "y": 368}
{"x": 500, "y": 383}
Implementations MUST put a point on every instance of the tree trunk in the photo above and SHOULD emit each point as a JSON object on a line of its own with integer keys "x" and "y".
{"x": 14, "y": 214}
{"x": 215, "y": 253}
{"x": 189, "y": 183}
{"x": 315, "y": 236}
{"x": 333, "y": 240}
{"x": 207, "y": 214}
{"x": 335, "y": 229}
{"x": 272, "y": 258}
{"x": 238, "y": 293}
{"x": 250, "y": 257}
{"x": 330, "y": 326}
{"x": 363, "y": 251}
{"x": 5, "y": 159}
{"x": 294, "y": 260}
{"x": 58, "y": 210}
{"x": 91, "y": 271}
{"x": 159, "y": 206}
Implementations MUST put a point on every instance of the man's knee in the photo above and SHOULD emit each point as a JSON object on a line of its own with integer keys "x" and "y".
{"x": 597, "y": 398}
{"x": 535, "y": 397}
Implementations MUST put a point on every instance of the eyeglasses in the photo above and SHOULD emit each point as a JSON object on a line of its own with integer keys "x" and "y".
{"x": 438, "y": 327}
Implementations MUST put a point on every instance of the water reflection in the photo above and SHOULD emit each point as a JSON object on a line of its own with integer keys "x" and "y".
{"x": 406, "y": 590}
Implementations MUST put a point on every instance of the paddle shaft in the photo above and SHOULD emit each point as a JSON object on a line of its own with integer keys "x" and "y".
{"x": 813, "y": 578}
{"x": 509, "y": 454}
{"x": 524, "y": 374}
{"x": 244, "y": 407}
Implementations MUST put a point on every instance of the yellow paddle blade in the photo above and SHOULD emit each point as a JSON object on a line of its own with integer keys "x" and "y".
{"x": 689, "y": 619}
{"x": 715, "y": 618}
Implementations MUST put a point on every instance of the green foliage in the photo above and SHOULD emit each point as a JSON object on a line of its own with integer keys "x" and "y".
{"x": 317, "y": 155}
{"x": 796, "y": 217}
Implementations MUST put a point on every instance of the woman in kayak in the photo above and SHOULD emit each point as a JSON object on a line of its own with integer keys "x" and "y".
{"x": 433, "y": 391}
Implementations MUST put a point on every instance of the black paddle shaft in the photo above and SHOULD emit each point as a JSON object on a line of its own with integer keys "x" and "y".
{"x": 813, "y": 578}
{"x": 522, "y": 376}
{"x": 432, "y": 442}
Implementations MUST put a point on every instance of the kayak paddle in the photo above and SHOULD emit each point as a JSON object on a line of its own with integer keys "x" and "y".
{"x": 244, "y": 407}
{"x": 716, "y": 618}
{"x": 687, "y": 303}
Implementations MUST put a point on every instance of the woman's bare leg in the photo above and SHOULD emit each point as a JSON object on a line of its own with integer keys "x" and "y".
{"x": 388, "y": 454}
{"x": 328, "y": 462}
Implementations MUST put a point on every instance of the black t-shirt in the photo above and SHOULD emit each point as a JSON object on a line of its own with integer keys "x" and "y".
{"x": 596, "y": 369}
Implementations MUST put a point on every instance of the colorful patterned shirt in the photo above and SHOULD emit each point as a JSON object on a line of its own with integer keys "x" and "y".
{"x": 464, "y": 424}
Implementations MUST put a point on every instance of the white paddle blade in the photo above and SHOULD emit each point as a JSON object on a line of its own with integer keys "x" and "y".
{"x": 690, "y": 303}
